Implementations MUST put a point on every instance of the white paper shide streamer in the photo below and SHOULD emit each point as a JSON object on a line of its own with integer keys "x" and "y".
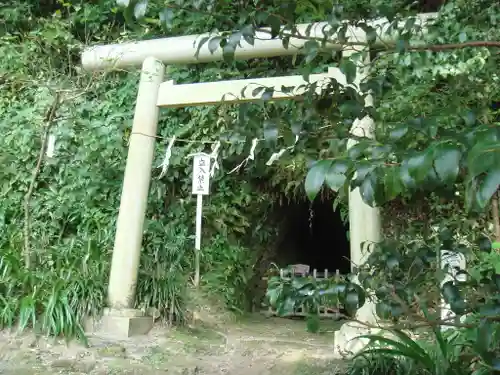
{"x": 280, "y": 153}
{"x": 51, "y": 146}
{"x": 214, "y": 155}
{"x": 251, "y": 156}
{"x": 166, "y": 160}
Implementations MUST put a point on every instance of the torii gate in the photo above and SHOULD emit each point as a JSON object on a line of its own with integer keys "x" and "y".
{"x": 154, "y": 93}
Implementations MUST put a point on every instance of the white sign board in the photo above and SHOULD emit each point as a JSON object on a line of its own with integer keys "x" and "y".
{"x": 453, "y": 261}
{"x": 201, "y": 174}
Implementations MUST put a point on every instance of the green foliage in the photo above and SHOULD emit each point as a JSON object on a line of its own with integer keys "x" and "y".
{"x": 444, "y": 353}
{"x": 381, "y": 364}
{"x": 312, "y": 323}
{"x": 76, "y": 193}
{"x": 287, "y": 294}
{"x": 436, "y": 134}
{"x": 436, "y": 131}
{"x": 227, "y": 272}
{"x": 441, "y": 360}
{"x": 164, "y": 272}
{"x": 67, "y": 286}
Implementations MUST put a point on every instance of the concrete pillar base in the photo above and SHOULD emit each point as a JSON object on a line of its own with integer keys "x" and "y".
{"x": 123, "y": 323}
{"x": 346, "y": 339}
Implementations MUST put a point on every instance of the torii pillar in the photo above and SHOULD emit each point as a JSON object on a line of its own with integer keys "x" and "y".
{"x": 363, "y": 235}
{"x": 121, "y": 318}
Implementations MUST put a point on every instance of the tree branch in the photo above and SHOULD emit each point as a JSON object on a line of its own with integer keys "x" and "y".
{"x": 424, "y": 323}
{"x": 49, "y": 121}
{"x": 495, "y": 215}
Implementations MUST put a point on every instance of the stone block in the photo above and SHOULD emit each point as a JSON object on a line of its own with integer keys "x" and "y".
{"x": 123, "y": 323}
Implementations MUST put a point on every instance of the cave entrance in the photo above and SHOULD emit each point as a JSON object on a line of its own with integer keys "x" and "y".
{"x": 313, "y": 233}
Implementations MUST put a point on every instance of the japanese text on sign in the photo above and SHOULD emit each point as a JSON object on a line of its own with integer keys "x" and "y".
{"x": 201, "y": 175}
{"x": 454, "y": 261}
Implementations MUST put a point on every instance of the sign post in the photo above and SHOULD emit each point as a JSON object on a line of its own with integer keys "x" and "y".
{"x": 200, "y": 187}
{"x": 452, "y": 261}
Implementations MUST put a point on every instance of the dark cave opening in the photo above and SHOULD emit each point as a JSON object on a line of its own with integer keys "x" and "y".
{"x": 313, "y": 234}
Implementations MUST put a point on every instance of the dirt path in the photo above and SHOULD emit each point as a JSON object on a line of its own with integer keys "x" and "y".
{"x": 256, "y": 347}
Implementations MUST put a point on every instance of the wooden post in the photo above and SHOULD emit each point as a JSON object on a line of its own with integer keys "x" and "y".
{"x": 200, "y": 187}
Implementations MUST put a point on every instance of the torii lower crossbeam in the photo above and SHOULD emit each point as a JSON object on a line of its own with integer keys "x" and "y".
{"x": 242, "y": 90}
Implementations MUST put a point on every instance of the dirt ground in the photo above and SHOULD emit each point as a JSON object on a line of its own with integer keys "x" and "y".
{"x": 255, "y": 346}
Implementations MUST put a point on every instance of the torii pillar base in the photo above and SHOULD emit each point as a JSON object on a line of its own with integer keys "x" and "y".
{"x": 346, "y": 340}
{"x": 124, "y": 323}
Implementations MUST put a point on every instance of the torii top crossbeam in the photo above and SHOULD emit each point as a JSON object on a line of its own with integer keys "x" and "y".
{"x": 182, "y": 49}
